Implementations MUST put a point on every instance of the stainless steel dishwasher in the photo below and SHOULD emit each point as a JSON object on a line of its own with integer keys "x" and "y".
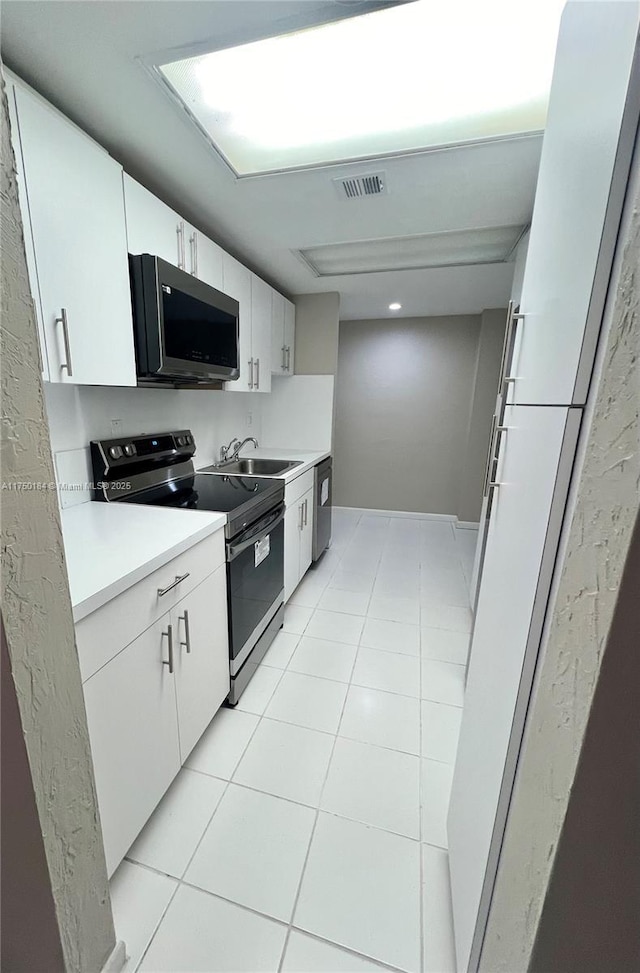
{"x": 322, "y": 503}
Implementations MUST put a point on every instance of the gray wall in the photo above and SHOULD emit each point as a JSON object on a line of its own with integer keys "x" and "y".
{"x": 405, "y": 412}
{"x": 36, "y": 609}
{"x": 568, "y": 877}
{"x": 317, "y": 333}
{"x": 490, "y": 341}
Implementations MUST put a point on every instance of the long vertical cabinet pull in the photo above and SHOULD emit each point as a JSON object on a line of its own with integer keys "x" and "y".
{"x": 257, "y": 373}
{"x": 284, "y": 358}
{"x": 513, "y": 316}
{"x": 65, "y": 337}
{"x": 169, "y": 661}
{"x": 250, "y": 364}
{"x": 180, "y": 234}
{"x": 193, "y": 247}
{"x": 187, "y": 638}
{"x": 301, "y": 524}
{"x": 306, "y": 513}
{"x": 288, "y": 368}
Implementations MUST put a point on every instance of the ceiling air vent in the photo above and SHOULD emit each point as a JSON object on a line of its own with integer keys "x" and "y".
{"x": 357, "y": 187}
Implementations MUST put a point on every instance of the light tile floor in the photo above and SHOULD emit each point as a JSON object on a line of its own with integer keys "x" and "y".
{"x": 307, "y": 832}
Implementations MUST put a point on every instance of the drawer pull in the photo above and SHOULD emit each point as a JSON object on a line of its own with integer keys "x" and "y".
{"x": 178, "y": 579}
{"x": 169, "y": 661}
{"x": 187, "y": 639}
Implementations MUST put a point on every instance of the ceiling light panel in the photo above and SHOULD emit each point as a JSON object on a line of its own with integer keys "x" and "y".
{"x": 453, "y": 249}
{"x": 405, "y": 78}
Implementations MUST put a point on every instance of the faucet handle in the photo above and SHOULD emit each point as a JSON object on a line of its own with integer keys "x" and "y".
{"x": 225, "y": 450}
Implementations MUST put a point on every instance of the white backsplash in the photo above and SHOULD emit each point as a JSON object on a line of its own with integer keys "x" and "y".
{"x": 78, "y": 414}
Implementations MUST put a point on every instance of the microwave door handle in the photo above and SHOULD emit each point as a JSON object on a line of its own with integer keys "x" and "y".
{"x": 234, "y": 550}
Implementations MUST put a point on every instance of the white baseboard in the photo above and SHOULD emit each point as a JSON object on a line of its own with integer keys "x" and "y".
{"x": 407, "y": 514}
{"x": 413, "y": 515}
{"x": 117, "y": 958}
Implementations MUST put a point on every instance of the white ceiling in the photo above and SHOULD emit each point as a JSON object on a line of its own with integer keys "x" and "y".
{"x": 83, "y": 56}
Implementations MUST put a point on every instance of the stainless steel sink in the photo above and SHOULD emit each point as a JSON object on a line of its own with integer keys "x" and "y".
{"x": 257, "y": 467}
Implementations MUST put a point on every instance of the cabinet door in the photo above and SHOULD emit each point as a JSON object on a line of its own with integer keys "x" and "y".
{"x": 278, "y": 354}
{"x": 261, "y": 313}
{"x": 152, "y": 227}
{"x": 534, "y": 469}
{"x": 201, "y": 657}
{"x": 205, "y": 258}
{"x": 131, "y": 714}
{"x": 586, "y": 154}
{"x": 237, "y": 284}
{"x": 292, "y": 531}
{"x": 74, "y": 193}
{"x": 306, "y": 534}
{"x": 289, "y": 336}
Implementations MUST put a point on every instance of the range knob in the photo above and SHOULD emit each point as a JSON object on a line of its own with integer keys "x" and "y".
{"x": 115, "y": 452}
{"x": 130, "y": 450}
{"x": 181, "y": 440}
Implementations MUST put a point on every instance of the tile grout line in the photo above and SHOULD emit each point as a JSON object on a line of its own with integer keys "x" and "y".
{"x": 315, "y": 824}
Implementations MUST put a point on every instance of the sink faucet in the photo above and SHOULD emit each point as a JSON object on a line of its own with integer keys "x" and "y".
{"x": 231, "y": 452}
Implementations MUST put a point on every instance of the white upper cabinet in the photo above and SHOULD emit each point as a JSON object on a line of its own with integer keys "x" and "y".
{"x": 77, "y": 226}
{"x": 237, "y": 284}
{"x": 588, "y": 142}
{"x": 282, "y": 335}
{"x": 204, "y": 258}
{"x": 261, "y": 311}
{"x": 152, "y": 226}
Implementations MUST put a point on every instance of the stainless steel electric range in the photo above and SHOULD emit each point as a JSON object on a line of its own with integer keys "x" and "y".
{"x": 158, "y": 470}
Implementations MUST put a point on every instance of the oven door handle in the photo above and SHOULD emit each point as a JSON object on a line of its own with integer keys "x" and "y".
{"x": 257, "y": 533}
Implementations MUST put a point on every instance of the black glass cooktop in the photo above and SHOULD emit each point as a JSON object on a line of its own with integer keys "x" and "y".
{"x": 204, "y": 491}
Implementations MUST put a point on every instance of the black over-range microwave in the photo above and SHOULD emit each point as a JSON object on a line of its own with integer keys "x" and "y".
{"x": 185, "y": 331}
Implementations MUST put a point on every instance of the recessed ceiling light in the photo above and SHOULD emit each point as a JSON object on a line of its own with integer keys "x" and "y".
{"x": 426, "y": 74}
{"x": 395, "y": 307}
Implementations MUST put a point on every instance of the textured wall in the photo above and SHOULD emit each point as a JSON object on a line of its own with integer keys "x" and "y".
{"x": 37, "y": 616}
{"x": 403, "y": 401}
{"x": 604, "y": 515}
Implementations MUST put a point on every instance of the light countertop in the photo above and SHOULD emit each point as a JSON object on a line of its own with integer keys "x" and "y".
{"x": 307, "y": 457}
{"x": 111, "y": 546}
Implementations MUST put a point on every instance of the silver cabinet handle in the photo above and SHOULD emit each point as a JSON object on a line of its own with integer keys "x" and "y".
{"x": 494, "y": 445}
{"x": 257, "y": 373}
{"x": 195, "y": 252}
{"x": 301, "y": 524}
{"x": 513, "y": 316}
{"x": 178, "y": 579}
{"x": 192, "y": 247}
{"x": 284, "y": 358}
{"x": 288, "y": 358}
{"x": 187, "y": 638}
{"x": 181, "y": 256}
{"x": 250, "y": 364}
{"x": 306, "y": 513}
{"x": 65, "y": 337}
{"x": 169, "y": 661}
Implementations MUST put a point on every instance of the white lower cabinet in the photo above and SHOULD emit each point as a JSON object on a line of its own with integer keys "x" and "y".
{"x": 133, "y": 729}
{"x": 298, "y": 531}
{"x": 201, "y": 657}
{"x": 149, "y": 705}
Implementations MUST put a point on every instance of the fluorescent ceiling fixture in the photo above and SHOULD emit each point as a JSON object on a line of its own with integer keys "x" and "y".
{"x": 395, "y": 307}
{"x": 485, "y": 245}
{"x": 401, "y": 79}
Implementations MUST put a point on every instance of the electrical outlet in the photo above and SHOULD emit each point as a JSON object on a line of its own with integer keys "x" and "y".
{"x": 116, "y": 427}
{"x": 249, "y": 419}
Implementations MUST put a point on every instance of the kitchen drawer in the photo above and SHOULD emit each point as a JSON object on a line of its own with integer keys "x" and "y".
{"x": 104, "y": 633}
{"x": 298, "y": 487}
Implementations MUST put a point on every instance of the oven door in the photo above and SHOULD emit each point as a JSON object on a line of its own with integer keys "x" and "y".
{"x": 255, "y": 574}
